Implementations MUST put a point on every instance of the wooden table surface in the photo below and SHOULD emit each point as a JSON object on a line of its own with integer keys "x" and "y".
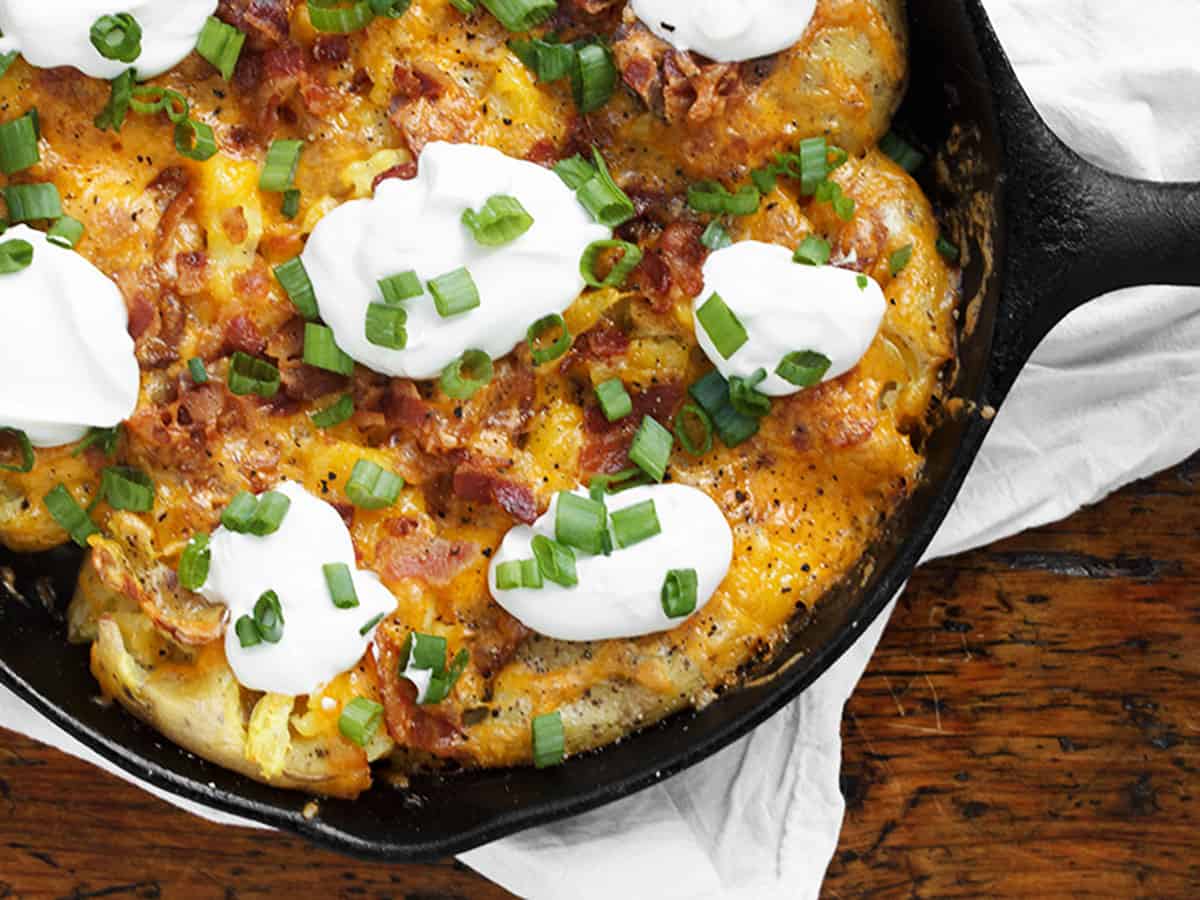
{"x": 1029, "y": 727}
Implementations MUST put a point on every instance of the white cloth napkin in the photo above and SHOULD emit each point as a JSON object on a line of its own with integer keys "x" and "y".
{"x": 1112, "y": 396}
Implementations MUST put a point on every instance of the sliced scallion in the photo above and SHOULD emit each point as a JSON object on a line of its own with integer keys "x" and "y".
{"x": 385, "y": 326}
{"x": 679, "y": 593}
{"x": 268, "y": 616}
{"x": 360, "y": 720}
{"x": 120, "y": 93}
{"x": 721, "y": 325}
{"x": 520, "y": 15}
{"x": 221, "y": 45}
{"x": 322, "y": 351}
{"x": 127, "y": 488}
{"x": 373, "y": 487}
{"x": 813, "y": 251}
{"x": 580, "y": 522}
{"x": 117, "y": 37}
{"x": 689, "y": 420}
{"x": 197, "y": 371}
{"x": 279, "y": 170}
{"x": 19, "y": 144}
{"x": 635, "y": 524}
{"x": 803, "y": 368}
{"x": 194, "y": 563}
{"x": 401, "y": 287}
{"x": 268, "y": 513}
{"x": 541, "y": 352}
{"x": 32, "y": 202}
{"x": 336, "y": 413}
{"x": 615, "y": 401}
{"x": 651, "y": 448}
{"x": 15, "y": 254}
{"x": 454, "y": 293}
{"x": 901, "y": 152}
{"x": 716, "y": 236}
{"x": 338, "y": 17}
{"x": 250, "y": 375}
{"x": 340, "y": 582}
{"x": 549, "y": 740}
{"x": 195, "y": 140}
{"x": 24, "y": 447}
{"x": 631, "y": 256}
{"x": 555, "y": 561}
{"x": 237, "y": 514}
{"x": 466, "y": 375}
{"x": 593, "y": 76}
{"x": 293, "y": 278}
{"x": 66, "y": 232}
{"x": 70, "y": 516}
{"x": 745, "y": 396}
{"x": 501, "y": 220}
{"x": 900, "y": 259}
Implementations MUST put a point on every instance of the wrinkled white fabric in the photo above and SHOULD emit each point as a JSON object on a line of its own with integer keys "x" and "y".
{"x": 1113, "y": 395}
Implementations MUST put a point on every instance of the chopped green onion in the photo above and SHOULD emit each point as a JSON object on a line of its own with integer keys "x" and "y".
{"x": 712, "y": 197}
{"x": 745, "y": 396}
{"x": 24, "y": 445}
{"x": 901, "y": 152}
{"x": 268, "y": 514}
{"x": 19, "y": 144}
{"x": 501, "y": 220}
{"x": 441, "y": 683}
{"x": 221, "y": 45}
{"x": 15, "y": 254}
{"x": 722, "y": 326}
{"x": 898, "y": 260}
{"x": 32, "y": 202}
{"x": 268, "y": 617}
{"x": 813, "y": 251}
{"x": 398, "y": 288}
{"x": 423, "y": 651}
{"x": 575, "y": 172}
{"x": 454, "y": 293}
{"x": 104, "y": 438}
{"x": 520, "y": 15}
{"x": 336, "y": 413}
{"x": 549, "y": 741}
{"x": 692, "y": 413}
{"x": 340, "y": 582}
{"x": 66, "y": 232}
{"x": 715, "y": 236}
{"x": 120, "y": 93}
{"x": 293, "y": 278}
{"x": 360, "y": 720}
{"x": 631, "y": 255}
{"x": 508, "y": 576}
{"x": 679, "y": 593}
{"x": 250, "y": 375}
{"x": 635, "y": 524}
{"x": 548, "y": 59}
{"x": 337, "y": 17}
{"x": 603, "y": 198}
{"x": 651, "y": 448}
{"x": 814, "y": 164}
{"x": 127, "y": 488}
{"x": 279, "y": 170}
{"x": 194, "y": 563}
{"x": 70, "y": 516}
{"x": 322, "y": 351}
{"x": 711, "y": 393}
{"x": 197, "y": 371}
{"x": 831, "y": 192}
{"x": 195, "y": 140}
{"x": 862, "y": 282}
{"x": 371, "y": 623}
{"x": 117, "y": 37}
{"x": 373, "y": 487}
{"x": 555, "y": 561}
{"x": 837, "y": 157}
{"x": 540, "y": 352}
{"x": 531, "y": 574}
{"x": 593, "y": 76}
{"x": 580, "y": 522}
{"x": 237, "y": 515}
{"x": 464, "y": 6}
{"x": 6, "y": 60}
{"x": 466, "y": 375}
{"x": 615, "y": 401}
{"x": 289, "y": 208}
{"x": 247, "y": 632}
{"x": 385, "y": 326}
{"x": 617, "y": 482}
{"x": 149, "y": 99}
{"x": 803, "y": 368}
{"x": 948, "y": 251}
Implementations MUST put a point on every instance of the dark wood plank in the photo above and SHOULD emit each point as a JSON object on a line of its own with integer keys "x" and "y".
{"x": 1029, "y": 727}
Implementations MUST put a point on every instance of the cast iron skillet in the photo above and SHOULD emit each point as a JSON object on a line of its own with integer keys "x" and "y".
{"x": 1057, "y": 231}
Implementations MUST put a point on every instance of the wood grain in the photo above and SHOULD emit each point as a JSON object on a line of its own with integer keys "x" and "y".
{"x": 1029, "y": 727}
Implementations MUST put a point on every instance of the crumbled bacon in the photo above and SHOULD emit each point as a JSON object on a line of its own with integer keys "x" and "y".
{"x": 429, "y": 106}
{"x": 331, "y": 48}
{"x": 671, "y": 273}
{"x": 264, "y": 22}
{"x": 478, "y": 484}
{"x": 405, "y": 171}
{"x": 434, "y": 729}
{"x": 191, "y": 270}
{"x": 299, "y": 383}
{"x": 429, "y": 557}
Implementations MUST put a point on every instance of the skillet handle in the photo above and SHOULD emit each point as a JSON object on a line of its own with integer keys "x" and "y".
{"x": 1074, "y": 231}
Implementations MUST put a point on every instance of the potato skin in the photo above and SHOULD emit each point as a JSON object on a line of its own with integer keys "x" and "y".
{"x": 192, "y": 245}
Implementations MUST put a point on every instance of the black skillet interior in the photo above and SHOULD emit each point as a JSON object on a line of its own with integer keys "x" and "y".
{"x": 1056, "y": 232}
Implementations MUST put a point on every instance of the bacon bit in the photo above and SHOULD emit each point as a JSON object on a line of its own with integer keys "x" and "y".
{"x": 192, "y": 272}
{"x": 861, "y": 242}
{"x": 671, "y": 272}
{"x": 174, "y": 434}
{"x": 142, "y": 314}
{"x": 404, "y": 407}
{"x": 242, "y": 334}
{"x": 433, "y": 559}
{"x": 433, "y": 729}
{"x": 264, "y": 22}
{"x": 414, "y": 84}
{"x": 428, "y": 106}
{"x": 233, "y": 223}
{"x": 498, "y": 637}
{"x": 544, "y": 152}
{"x": 299, "y": 383}
{"x": 360, "y": 83}
{"x": 406, "y": 171}
{"x": 604, "y": 341}
{"x": 331, "y": 48}
{"x": 478, "y": 485}
{"x": 606, "y": 448}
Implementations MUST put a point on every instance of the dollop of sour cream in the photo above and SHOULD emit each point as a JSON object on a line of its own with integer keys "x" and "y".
{"x": 620, "y": 596}
{"x": 50, "y": 33}
{"x": 787, "y": 307}
{"x": 320, "y": 641}
{"x": 66, "y": 358}
{"x": 727, "y": 30}
{"x": 416, "y": 225}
